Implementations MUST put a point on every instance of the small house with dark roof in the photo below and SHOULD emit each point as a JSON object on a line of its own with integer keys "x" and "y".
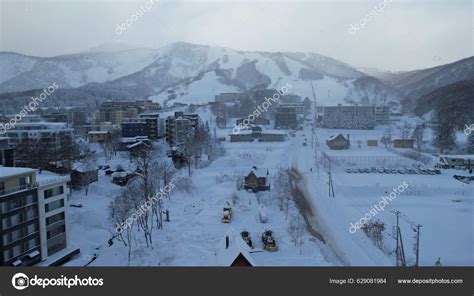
{"x": 257, "y": 180}
{"x": 338, "y": 142}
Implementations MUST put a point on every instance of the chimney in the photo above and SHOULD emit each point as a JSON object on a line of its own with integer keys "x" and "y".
{"x": 226, "y": 242}
{"x": 254, "y": 167}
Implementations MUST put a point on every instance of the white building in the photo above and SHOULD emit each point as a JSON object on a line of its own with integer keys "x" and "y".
{"x": 33, "y": 210}
{"x": 37, "y": 131}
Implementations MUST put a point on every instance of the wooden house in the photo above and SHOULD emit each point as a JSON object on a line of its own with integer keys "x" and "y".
{"x": 257, "y": 180}
{"x": 338, "y": 142}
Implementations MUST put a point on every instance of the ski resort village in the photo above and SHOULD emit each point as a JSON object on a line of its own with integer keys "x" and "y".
{"x": 193, "y": 155}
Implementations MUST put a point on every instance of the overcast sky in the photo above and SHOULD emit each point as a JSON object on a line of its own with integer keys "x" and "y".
{"x": 405, "y": 35}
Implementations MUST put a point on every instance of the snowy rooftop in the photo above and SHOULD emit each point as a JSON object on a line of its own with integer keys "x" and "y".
{"x": 7, "y": 171}
{"x": 47, "y": 177}
{"x": 226, "y": 255}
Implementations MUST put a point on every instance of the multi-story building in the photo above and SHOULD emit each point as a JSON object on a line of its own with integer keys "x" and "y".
{"x": 230, "y": 97}
{"x": 39, "y": 131}
{"x": 300, "y": 108}
{"x": 353, "y": 117}
{"x": 179, "y": 127}
{"x": 382, "y": 114}
{"x": 115, "y": 112}
{"x": 286, "y": 117}
{"x": 76, "y": 116}
{"x": 6, "y": 153}
{"x": 33, "y": 217}
{"x": 146, "y": 125}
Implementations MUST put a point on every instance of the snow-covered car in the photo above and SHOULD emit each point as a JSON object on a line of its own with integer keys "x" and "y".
{"x": 348, "y": 171}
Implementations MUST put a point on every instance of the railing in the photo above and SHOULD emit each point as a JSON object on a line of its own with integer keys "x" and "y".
{"x": 54, "y": 180}
{"x": 16, "y": 189}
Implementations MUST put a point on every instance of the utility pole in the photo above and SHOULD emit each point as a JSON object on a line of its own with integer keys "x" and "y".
{"x": 399, "y": 251}
{"x": 331, "y": 187}
{"x": 417, "y": 244}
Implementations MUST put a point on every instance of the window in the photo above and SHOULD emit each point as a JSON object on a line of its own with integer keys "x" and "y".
{"x": 17, "y": 203}
{"x": 55, "y": 218}
{"x": 56, "y": 247}
{"x": 54, "y": 205}
{"x": 7, "y": 254}
{"x": 24, "y": 181}
{"x": 56, "y": 231}
{"x": 2, "y": 187}
{"x": 53, "y": 192}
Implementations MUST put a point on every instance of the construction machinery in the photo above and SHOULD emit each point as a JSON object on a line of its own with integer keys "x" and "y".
{"x": 227, "y": 215}
{"x": 247, "y": 238}
{"x": 269, "y": 243}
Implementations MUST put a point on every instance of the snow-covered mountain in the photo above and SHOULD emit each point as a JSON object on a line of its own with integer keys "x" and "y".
{"x": 13, "y": 64}
{"x": 415, "y": 84}
{"x": 21, "y": 73}
{"x": 189, "y": 73}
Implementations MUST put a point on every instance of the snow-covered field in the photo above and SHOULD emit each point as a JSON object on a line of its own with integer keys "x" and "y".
{"x": 442, "y": 205}
{"x": 192, "y": 236}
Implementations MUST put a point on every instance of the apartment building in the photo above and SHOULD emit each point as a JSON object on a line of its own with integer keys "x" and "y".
{"x": 286, "y": 117}
{"x": 115, "y": 112}
{"x": 179, "y": 127}
{"x": 33, "y": 217}
{"x": 6, "y": 153}
{"x": 76, "y": 116}
{"x": 353, "y": 117}
{"x": 147, "y": 125}
{"x": 50, "y": 132}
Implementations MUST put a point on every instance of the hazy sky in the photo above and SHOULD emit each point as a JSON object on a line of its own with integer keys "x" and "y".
{"x": 405, "y": 35}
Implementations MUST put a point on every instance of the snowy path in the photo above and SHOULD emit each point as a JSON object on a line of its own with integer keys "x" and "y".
{"x": 330, "y": 218}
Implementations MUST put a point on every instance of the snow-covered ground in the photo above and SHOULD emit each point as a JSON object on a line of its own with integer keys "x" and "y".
{"x": 192, "y": 236}
{"x": 441, "y": 204}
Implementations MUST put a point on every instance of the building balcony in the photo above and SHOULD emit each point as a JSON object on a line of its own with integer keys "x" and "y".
{"x": 17, "y": 189}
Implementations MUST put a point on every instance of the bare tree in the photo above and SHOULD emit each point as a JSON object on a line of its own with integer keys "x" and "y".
{"x": 121, "y": 209}
{"x": 418, "y": 135}
{"x": 296, "y": 229}
{"x": 405, "y": 130}
{"x": 387, "y": 137}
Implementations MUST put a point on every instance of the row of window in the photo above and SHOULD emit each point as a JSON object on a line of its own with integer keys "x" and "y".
{"x": 17, "y": 203}
{"x": 55, "y": 218}
{"x": 19, "y": 233}
{"x": 53, "y": 192}
{"x": 10, "y": 221}
{"x": 19, "y": 249}
{"x": 56, "y": 247}
{"x": 55, "y": 231}
{"x": 54, "y": 205}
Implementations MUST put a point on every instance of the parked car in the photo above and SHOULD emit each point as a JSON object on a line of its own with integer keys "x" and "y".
{"x": 373, "y": 170}
{"x": 348, "y": 171}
